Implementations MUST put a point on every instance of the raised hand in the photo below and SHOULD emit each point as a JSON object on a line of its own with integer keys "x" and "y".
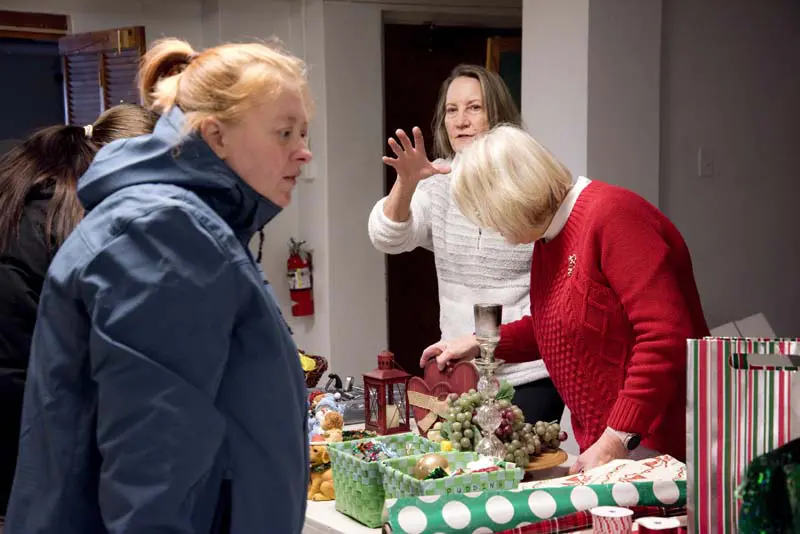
{"x": 412, "y": 163}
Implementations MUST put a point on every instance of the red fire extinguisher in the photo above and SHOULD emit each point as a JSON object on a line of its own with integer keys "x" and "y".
{"x": 301, "y": 285}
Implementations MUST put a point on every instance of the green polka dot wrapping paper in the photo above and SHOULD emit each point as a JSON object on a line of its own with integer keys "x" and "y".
{"x": 487, "y": 512}
{"x": 359, "y": 484}
{"x": 398, "y": 479}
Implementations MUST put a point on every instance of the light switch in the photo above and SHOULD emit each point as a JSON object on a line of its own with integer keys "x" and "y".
{"x": 705, "y": 163}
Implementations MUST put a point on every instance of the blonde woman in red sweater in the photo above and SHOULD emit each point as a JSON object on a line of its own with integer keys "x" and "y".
{"x": 613, "y": 295}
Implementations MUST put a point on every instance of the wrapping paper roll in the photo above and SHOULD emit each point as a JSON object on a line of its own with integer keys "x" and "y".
{"x": 611, "y": 520}
{"x": 658, "y": 525}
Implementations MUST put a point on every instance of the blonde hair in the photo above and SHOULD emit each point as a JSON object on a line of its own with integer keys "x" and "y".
{"x": 223, "y": 82}
{"x": 506, "y": 181}
{"x": 497, "y": 101}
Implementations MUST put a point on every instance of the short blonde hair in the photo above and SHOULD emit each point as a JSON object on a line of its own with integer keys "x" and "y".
{"x": 223, "y": 82}
{"x": 506, "y": 181}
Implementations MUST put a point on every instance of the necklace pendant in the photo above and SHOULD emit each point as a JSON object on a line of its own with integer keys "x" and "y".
{"x": 571, "y": 264}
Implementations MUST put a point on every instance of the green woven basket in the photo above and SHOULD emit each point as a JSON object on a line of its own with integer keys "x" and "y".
{"x": 359, "y": 484}
{"x": 399, "y": 481}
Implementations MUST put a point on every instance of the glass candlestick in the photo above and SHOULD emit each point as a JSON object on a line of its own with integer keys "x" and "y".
{"x": 487, "y": 331}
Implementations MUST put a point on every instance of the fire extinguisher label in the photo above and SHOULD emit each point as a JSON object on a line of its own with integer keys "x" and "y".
{"x": 300, "y": 279}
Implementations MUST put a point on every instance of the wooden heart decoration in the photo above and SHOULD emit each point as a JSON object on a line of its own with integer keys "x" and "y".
{"x": 427, "y": 403}
{"x": 461, "y": 377}
{"x": 427, "y": 395}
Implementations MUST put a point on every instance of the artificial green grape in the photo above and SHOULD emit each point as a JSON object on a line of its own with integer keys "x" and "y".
{"x": 465, "y": 443}
{"x": 456, "y": 446}
{"x": 456, "y": 436}
{"x": 456, "y": 427}
{"x": 466, "y": 424}
{"x": 468, "y": 433}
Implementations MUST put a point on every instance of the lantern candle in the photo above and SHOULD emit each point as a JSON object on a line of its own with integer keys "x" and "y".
{"x": 386, "y": 408}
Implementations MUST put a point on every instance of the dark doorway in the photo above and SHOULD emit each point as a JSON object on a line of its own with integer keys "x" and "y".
{"x": 417, "y": 59}
{"x": 33, "y": 96}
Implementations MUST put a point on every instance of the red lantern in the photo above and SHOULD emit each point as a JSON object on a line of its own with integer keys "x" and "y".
{"x": 386, "y": 397}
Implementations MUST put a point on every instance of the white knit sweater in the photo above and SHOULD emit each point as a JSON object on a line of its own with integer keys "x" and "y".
{"x": 472, "y": 265}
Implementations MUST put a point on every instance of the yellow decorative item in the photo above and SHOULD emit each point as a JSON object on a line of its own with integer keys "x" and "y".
{"x": 428, "y": 463}
{"x": 308, "y": 364}
{"x": 320, "y": 487}
{"x": 332, "y": 425}
{"x": 446, "y": 446}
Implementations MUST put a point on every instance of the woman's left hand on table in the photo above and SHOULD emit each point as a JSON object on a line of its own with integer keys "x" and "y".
{"x": 609, "y": 447}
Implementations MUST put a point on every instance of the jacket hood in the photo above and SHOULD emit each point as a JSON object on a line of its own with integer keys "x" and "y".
{"x": 170, "y": 156}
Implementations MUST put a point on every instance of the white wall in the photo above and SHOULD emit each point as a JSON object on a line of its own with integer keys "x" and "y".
{"x": 354, "y": 132}
{"x": 732, "y": 85}
{"x": 176, "y": 18}
{"x": 555, "y": 63}
{"x": 245, "y": 20}
{"x": 590, "y": 86}
{"x": 624, "y": 88}
{"x": 596, "y": 91}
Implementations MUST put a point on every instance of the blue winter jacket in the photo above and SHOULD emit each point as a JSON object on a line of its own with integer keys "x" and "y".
{"x": 164, "y": 393}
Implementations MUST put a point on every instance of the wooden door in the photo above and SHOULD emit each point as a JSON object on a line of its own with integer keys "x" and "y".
{"x": 417, "y": 59}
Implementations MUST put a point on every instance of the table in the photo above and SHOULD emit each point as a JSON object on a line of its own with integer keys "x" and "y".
{"x": 322, "y": 517}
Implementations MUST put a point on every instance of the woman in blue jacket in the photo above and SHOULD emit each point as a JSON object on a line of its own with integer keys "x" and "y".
{"x": 164, "y": 391}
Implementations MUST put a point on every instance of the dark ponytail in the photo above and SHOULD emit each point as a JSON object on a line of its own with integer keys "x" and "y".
{"x": 53, "y": 159}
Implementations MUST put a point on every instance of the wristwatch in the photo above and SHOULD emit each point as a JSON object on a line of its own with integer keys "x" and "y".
{"x": 629, "y": 441}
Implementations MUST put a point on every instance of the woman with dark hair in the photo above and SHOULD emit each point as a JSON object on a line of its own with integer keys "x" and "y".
{"x": 39, "y": 208}
{"x": 472, "y": 265}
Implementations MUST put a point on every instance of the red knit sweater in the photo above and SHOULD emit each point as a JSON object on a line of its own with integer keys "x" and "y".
{"x": 613, "y": 300}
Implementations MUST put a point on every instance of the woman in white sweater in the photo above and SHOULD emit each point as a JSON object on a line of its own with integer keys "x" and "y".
{"x": 472, "y": 264}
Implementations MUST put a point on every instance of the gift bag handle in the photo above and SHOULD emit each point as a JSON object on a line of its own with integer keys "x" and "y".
{"x": 770, "y": 355}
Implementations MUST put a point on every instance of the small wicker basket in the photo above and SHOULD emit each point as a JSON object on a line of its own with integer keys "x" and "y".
{"x": 313, "y": 376}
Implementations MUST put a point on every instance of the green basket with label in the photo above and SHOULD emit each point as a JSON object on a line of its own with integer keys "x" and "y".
{"x": 359, "y": 483}
{"x": 399, "y": 480}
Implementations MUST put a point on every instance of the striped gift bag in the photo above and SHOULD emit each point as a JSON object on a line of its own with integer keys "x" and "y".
{"x": 739, "y": 402}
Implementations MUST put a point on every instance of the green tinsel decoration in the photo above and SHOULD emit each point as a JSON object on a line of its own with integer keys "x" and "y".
{"x": 437, "y": 473}
{"x": 771, "y": 492}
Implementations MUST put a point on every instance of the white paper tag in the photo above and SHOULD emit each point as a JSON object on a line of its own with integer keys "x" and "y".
{"x": 300, "y": 279}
